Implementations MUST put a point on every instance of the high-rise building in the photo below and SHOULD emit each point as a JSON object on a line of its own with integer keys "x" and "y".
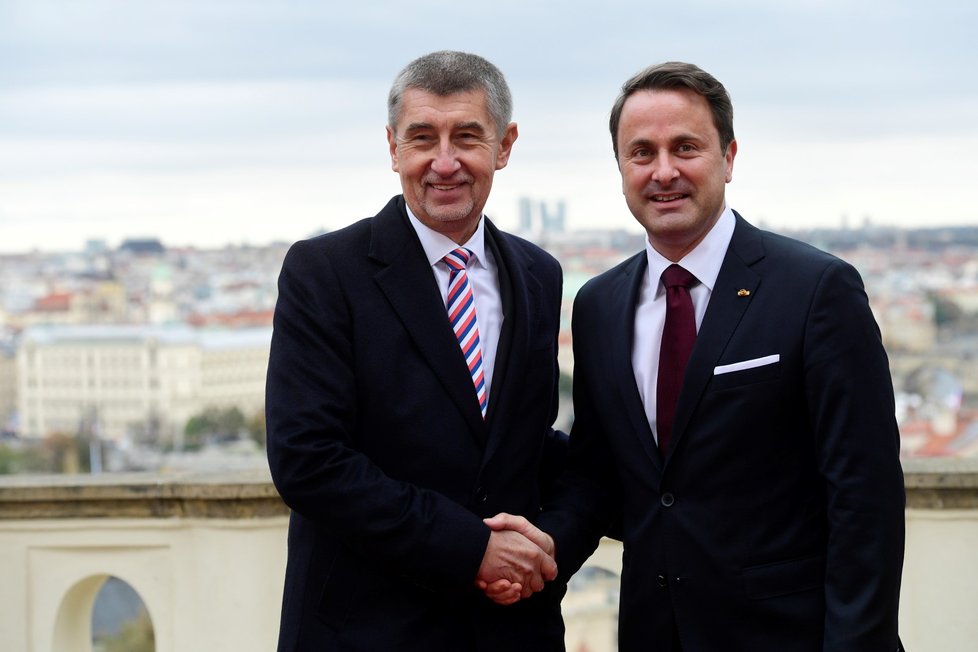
{"x": 540, "y": 218}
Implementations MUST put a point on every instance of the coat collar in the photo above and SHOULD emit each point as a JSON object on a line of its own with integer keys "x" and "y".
{"x": 622, "y": 302}
{"x": 723, "y": 314}
{"x": 727, "y": 306}
{"x": 405, "y": 278}
{"x": 520, "y": 290}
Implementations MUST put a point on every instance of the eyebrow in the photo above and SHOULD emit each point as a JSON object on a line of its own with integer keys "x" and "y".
{"x": 472, "y": 125}
{"x": 417, "y": 126}
{"x": 680, "y": 138}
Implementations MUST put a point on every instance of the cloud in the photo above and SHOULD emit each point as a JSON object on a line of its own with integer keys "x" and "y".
{"x": 218, "y": 116}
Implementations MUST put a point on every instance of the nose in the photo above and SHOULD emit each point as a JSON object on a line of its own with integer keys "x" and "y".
{"x": 445, "y": 163}
{"x": 664, "y": 169}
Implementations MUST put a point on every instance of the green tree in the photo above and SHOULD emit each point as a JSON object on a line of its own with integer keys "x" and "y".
{"x": 11, "y": 461}
{"x": 65, "y": 453}
{"x": 565, "y": 384}
{"x": 135, "y": 635}
{"x": 193, "y": 433}
{"x": 230, "y": 421}
{"x": 256, "y": 427}
{"x": 213, "y": 421}
{"x": 946, "y": 313}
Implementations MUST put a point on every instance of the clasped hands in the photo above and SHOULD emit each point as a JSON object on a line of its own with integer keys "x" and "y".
{"x": 518, "y": 560}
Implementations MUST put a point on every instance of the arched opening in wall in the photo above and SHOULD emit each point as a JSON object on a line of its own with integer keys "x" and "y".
{"x": 102, "y": 613}
{"x": 120, "y": 619}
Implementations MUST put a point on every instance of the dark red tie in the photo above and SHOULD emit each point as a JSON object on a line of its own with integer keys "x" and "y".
{"x": 678, "y": 338}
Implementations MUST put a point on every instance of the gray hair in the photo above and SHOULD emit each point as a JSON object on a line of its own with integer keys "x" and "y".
{"x": 448, "y": 72}
{"x": 676, "y": 75}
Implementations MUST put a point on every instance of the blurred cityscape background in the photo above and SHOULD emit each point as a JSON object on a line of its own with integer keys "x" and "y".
{"x": 139, "y": 356}
{"x": 137, "y": 139}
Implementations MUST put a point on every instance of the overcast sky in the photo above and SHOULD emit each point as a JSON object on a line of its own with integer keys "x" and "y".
{"x": 207, "y": 122}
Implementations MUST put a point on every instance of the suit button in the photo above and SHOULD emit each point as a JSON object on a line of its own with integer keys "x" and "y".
{"x": 481, "y": 495}
{"x": 667, "y": 500}
{"x": 661, "y": 580}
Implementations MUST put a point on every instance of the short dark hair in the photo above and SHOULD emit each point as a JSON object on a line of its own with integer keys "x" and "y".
{"x": 676, "y": 75}
{"x": 447, "y": 72}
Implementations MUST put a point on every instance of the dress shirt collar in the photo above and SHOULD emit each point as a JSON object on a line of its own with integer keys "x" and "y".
{"x": 704, "y": 260}
{"x": 437, "y": 246}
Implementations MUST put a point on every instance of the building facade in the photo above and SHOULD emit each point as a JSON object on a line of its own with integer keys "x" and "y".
{"x": 135, "y": 382}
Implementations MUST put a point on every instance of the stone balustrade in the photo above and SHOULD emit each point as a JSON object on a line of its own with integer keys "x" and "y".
{"x": 206, "y": 553}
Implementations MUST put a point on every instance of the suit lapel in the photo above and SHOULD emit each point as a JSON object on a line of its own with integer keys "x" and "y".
{"x": 406, "y": 280}
{"x": 620, "y": 329}
{"x": 519, "y": 290}
{"x": 727, "y": 306}
{"x": 509, "y": 265}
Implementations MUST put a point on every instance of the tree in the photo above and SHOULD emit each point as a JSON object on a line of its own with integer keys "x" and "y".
{"x": 946, "y": 312}
{"x": 213, "y": 423}
{"x": 66, "y": 453}
{"x": 12, "y": 461}
{"x": 135, "y": 635}
{"x": 256, "y": 427}
{"x": 230, "y": 421}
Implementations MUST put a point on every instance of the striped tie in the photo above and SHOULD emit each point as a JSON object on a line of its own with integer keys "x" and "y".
{"x": 461, "y": 312}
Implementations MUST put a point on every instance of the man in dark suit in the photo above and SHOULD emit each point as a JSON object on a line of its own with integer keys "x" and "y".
{"x": 411, "y": 389}
{"x": 758, "y": 490}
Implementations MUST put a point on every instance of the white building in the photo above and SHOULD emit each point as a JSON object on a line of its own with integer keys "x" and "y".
{"x": 135, "y": 381}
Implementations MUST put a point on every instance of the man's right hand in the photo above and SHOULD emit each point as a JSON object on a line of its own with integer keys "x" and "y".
{"x": 504, "y": 521}
{"x": 518, "y": 560}
{"x": 514, "y": 566}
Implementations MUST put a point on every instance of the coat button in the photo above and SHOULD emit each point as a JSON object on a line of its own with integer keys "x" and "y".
{"x": 661, "y": 580}
{"x": 481, "y": 495}
{"x": 667, "y": 500}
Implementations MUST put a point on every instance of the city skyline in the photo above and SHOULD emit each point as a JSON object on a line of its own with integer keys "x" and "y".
{"x": 213, "y": 123}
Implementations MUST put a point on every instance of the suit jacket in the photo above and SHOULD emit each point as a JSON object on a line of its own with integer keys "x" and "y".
{"x": 775, "y": 521}
{"x": 377, "y": 443}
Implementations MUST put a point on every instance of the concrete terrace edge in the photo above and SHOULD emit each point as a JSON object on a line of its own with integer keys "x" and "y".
{"x": 931, "y": 483}
{"x": 220, "y": 495}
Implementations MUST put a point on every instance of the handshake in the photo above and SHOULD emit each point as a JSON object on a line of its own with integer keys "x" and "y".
{"x": 518, "y": 560}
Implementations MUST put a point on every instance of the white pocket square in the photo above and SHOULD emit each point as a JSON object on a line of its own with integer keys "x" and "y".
{"x": 746, "y": 364}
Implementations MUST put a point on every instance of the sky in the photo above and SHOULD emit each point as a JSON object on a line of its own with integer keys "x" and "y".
{"x": 213, "y": 122}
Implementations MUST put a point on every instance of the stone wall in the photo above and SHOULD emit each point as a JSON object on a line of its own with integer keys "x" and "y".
{"x": 207, "y": 555}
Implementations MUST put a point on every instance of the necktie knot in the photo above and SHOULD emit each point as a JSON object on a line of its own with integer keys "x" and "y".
{"x": 458, "y": 259}
{"x": 676, "y": 276}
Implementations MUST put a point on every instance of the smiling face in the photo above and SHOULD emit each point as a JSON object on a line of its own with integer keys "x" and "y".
{"x": 673, "y": 171}
{"x": 446, "y": 150}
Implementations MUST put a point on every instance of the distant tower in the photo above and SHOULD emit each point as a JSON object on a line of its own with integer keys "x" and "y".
{"x": 552, "y": 222}
{"x": 538, "y": 217}
{"x": 526, "y": 215}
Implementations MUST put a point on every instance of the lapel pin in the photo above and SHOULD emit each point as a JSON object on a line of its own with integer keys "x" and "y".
{"x": 743, "y": 293}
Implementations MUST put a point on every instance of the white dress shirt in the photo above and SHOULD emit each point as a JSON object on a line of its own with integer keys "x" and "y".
{"x": 483, "y": 278}
{"x": 703, "y": 262}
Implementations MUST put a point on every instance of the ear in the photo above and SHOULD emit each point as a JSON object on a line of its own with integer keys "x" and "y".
{"x": 506, "y": 145}
{"x": 729, "y": 156}
{"x": 392, "y": 144}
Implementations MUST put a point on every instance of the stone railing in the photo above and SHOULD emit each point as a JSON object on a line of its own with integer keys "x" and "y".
{"x": 205, "y": 553}
{"x": 207, "y": 556}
